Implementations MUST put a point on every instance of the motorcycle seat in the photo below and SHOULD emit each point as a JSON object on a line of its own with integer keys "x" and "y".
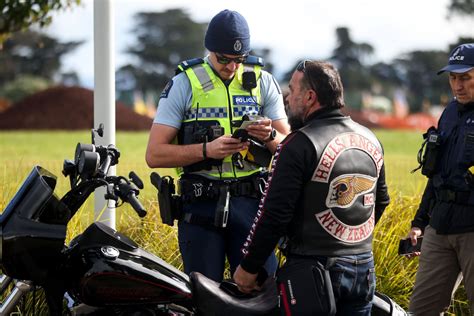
{"x": 211, "y": 299}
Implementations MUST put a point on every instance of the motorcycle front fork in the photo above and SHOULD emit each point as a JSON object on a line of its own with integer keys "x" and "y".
{"x": 11, "y": 300}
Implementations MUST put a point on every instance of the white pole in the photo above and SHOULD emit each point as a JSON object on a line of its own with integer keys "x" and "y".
{"x": 104, "y": 94}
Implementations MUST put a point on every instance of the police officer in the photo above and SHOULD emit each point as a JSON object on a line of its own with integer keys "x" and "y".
{"x": 198, "y": 111}
{"x": 445, "y": 216}
{"x": 326, "y": 192}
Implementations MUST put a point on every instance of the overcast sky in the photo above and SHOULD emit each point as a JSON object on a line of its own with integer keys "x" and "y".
{"x": 292, "y": 29}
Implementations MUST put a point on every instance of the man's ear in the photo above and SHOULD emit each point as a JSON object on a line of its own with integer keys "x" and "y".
{"x": 312, "y": 96}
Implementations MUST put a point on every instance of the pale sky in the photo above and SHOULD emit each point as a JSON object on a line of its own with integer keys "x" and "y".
{"x": 292, "y": 29}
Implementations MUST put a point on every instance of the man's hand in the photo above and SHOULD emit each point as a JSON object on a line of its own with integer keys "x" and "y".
{"x": 224, "y": 146}
{"x": 261, "y": 129}
{"x": 247, "y": 282}
{"x": 414, "y": 233}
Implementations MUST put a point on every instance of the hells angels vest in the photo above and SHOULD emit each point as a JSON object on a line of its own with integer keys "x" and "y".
{"x": 339, "y": 200}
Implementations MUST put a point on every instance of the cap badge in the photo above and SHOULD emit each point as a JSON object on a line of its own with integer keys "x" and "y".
{"x": 237, "y": 45}
{"x": 455, "y": 55}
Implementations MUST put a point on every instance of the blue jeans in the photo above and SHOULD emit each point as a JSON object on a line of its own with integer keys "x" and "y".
{"x": 204, "y": 249}
{"x": 353, "y": 282}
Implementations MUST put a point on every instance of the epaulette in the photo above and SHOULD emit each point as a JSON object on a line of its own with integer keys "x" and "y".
{"x": 187, "y": 64}
{"x": 255, "y": 60}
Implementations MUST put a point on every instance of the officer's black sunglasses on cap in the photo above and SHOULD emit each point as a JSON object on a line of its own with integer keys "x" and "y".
{"x": 221, "y": 59}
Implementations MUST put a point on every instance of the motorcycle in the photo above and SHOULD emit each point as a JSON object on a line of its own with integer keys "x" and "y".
{"x": 101, "y": 271}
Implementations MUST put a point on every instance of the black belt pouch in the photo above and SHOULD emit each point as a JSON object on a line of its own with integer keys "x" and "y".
{"x": 305, "y": 289}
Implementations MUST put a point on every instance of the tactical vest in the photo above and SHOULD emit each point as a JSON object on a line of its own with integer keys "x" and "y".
{"x": 339, "y": 200}
{"x": 456, "y": 130}
{"x": 215, "y": 103}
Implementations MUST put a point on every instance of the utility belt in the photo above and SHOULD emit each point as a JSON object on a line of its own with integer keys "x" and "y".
{"x": 196, "y": 188}
{"x": 457, "y": 197}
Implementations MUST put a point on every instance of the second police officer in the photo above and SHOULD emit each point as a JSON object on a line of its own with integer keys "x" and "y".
{"x": 445, "y": 216}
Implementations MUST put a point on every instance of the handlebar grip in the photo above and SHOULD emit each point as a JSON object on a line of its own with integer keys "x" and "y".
{"x": 135, "y": 203}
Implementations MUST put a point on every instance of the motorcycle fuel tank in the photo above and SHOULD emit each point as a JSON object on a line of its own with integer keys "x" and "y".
{"x": 114, "y": 271}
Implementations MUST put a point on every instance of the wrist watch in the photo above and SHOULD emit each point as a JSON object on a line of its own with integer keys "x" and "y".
{"x": 272, "y": 136}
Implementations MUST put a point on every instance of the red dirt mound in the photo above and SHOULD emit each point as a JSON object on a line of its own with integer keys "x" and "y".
{"x": 68, "y": 108}
{"x": 373, "y": 119}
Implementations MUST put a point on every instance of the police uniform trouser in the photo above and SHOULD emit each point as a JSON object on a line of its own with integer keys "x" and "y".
{"x": 442, "y": 259}
{"x": 204, "y": 249}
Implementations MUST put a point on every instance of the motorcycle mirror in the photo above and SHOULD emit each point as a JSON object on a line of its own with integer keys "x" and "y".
{"x": 99, "y": 131}
{"x": 136, "y": 179}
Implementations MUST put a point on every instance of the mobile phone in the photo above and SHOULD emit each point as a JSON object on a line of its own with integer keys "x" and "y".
{"x": 405, "y": 247}
{"x": 241, "y": 134}
{"x": 247, "y": 123}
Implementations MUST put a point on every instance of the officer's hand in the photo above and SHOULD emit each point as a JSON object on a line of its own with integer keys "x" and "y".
{"x": 261, "y": 129}
{"x": 247, "y": 282}
{"x": 414, "y": 233}
{"x": 224, "y": 146}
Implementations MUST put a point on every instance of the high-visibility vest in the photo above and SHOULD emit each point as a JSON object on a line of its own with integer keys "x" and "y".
{"x": 213, "y": 101}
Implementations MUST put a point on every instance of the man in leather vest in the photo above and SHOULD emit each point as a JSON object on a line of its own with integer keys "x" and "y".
{"x": 326, "y": 192}
{"x": 445, "y": 216}
{"x": 199, "y": 110}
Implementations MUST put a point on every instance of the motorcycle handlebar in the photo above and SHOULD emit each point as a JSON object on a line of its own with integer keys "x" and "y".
{"x": 135, "y": 203}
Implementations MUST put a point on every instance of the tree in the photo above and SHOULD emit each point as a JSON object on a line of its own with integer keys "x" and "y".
{"x": 32, "y": 53}
{"x": 163, "y": 40}
{"x": 351, "y": 59}
{"x": 460, "y": 40}
{"x": 265, "y": 54}
{"x": 23, "y": 86}
{"x": 461, "y": 8}
{"x": 19, "y": 15}
{"x": 386, "y": 81}
{"x": 418, "y": 70}
{"x": 386, "y": 74}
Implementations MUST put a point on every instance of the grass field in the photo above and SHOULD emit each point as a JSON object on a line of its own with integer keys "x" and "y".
{"x": 20, "y": 151}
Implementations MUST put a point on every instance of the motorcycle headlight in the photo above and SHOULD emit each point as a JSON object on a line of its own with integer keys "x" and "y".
{"x": 88, "y": 163}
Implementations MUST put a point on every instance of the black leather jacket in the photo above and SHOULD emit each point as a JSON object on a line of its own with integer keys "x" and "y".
{"x": 318, "y": 195}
